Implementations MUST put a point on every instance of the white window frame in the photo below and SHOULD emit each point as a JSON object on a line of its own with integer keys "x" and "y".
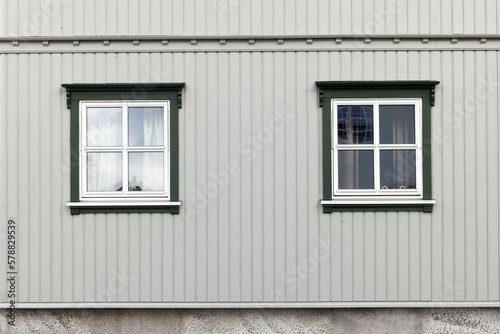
{"x": 146, "y": 197}
{"x": 376, "y": 147}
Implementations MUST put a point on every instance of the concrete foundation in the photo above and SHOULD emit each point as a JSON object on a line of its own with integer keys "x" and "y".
{"x": 338, "y": 321}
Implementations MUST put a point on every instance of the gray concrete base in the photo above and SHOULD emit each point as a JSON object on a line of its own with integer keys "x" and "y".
{"x": 338, "y": 321}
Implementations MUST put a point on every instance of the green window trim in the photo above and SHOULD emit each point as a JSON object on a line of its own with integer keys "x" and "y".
{"x": 328, "y": 90}
{"x": 124, "y": 92}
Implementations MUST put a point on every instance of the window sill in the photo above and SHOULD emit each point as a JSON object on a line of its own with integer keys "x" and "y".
{"x": 354, "y": 205}
{"x": 124, "y": 207}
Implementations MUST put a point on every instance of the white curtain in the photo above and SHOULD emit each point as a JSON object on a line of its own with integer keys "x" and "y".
{"x": 104, "y": 129}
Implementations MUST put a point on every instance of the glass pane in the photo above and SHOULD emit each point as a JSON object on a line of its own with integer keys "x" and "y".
{"x": 104, "y": 171}
{"x": 355, "y": 124}
{"x": 145, "y": 171}
{"x": 104, "y": 127}
{"x": 397, "y": 124}
{"x": 355, "y": 170}
{"x": 397, "y": 169}
{"x": 145, "y": 126}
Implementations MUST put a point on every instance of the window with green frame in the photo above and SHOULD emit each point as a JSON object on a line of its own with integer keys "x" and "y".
{"x": 376, "y": 145}
{"x": 124, "y": 141}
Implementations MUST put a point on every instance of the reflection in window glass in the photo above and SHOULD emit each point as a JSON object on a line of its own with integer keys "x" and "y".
{"x": 145, "y": 126}
{"x": 355, "y": 169}
{"x": 104, "y": 171}
{"x": 146, "y": 171}
{"x": 104, "y": 127}
{"x": 355, "y": 124}
{"x": 398, "y": 169}
{"x": 397, "y": 124}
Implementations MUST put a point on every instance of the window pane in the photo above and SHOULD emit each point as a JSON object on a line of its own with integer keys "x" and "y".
{"x": 355, "y": 124}
{"x": 397, "y": 124}
{"x": 397, "y": 169}
{"x": 145, "y": 171}
{"x": 104, "y": 127}
{"x": 145, "y": 126}
{"x": 355, "y": 169}
{"x": 104, "y": 171}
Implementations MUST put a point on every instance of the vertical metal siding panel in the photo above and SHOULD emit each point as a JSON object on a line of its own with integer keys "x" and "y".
{"x": 189, "y": 19}
{"x": 11, "y": 21}
{"x": 392, "y": 256}
{"x": 358, "y": 252}
{"x": 212, "y": 9}
{"x": 335, "y": 18}
{"x": 196, "y": 157}
{"x": 46, "y": 182}
{"x": 480, "y": 17}
{"x": 424, "y": 17}
{"x": 437, "y": 232}
{"x": 491, "y": 95}
{"x": 178, "y": 64}
{"x": 33, "y": 186}
{"x": 435, "y": 17}
{"x": 200, "y": 12}
{"x": 265, "y": 139}
{"x": 324, "y": 248}
{"x": 234, "y": 18}
{"x": 324, "y": 21}
{"x": 446, "y": 18}
{"x": 112, "y": 16}
{"x": 414, "y": 260}
{"x": 290, "y": 125}
{"x": 312, "y": 17}
{"x": 112, "y": 274}
{"x": 345, "y": 16}
{"x": 257, "y": 179}
{"x": 134, "y": 24}
{"x": 66, "y": 75}
{"x": 465, "y": 18}
{"x": 167, "y": 21}
{"x": 412, "y": 18}
{"x": 58, "y": 173}
{"x": 222, "y": 186}
{"x": 267, "y": 17}
{"x": 246, "y": 111}
{"x": 482, "y": 182}
{"x": 403, "y": 256}
{"x": 300, "y": 278}
{"x": 280, "y": 213}
{"x": 144, "y": 239}
{"x": 89, "y": 18}
{"x": 470, "y": 178}
{"x": 233, "y": 172}
{"x": 491, "y": 17}
{"x": 100, "y": 258}
{"x": 381, "y": 256}
{"x": 391, "y": 22}
{"x": 244, "y": 15}
{"x": 356, "y": 12}
{"x": 190, "y": 228}
{"x": 289, "y": 17}
{"x": 78, "y": 18}
{"x": 212, "y": 167}
{"x": 402, "y": 9}
{"x": 145, "y": 17}
{"x": 447, "y": 217}
{"x": 313, "y": 173}
{"x": 425, "y": 220}
{"x": 100, "y": 18}
{"x": 347, "y": 256}
{"x": 300, "y": 17}
{"x": 134, "y": 240}
{"x": 377, "y": 24}
{"x": 122, "y": 11}
{"x": 368, "y": 20}
{"x": 369, "y": 257}
{"x": 89, "y": 258}
{"x": 336, "y": 257}
{"x": 278, "y": 17}
{"x": 155, "y": 17}
{"x": 222, "y": 17}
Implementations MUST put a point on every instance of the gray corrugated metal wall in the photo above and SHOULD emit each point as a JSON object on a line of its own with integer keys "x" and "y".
{"x": 251, "y": 228}
{"x": 249, "y": 17}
